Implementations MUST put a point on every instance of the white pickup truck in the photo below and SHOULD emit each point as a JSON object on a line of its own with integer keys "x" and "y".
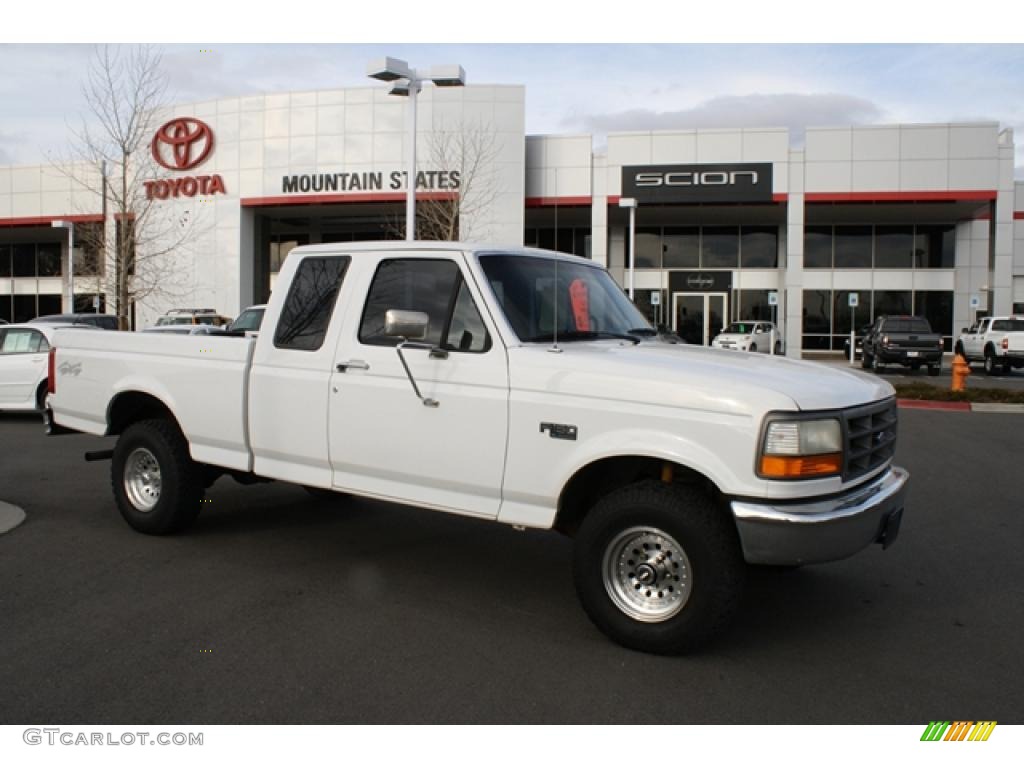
{"x": 515, "y": 385}
{"x": 997, "y": 342}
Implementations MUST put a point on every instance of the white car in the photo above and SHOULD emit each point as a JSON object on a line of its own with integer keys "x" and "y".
{"x": 749, "y": 336}
{"x": 23, "y": 348}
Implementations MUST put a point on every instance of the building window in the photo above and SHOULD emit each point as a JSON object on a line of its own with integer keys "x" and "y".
{"x": 648, "y": 248}
{"x": 892, "y": 303}
{"x": 818, "y": 248}
{"x": 48, "y": 260}
{"x": 24, "y": 259}
{"x": 759, "y": 247}
{"x": 853, "y": 247}
{"x": 720, "y": 247}
{"x": 89, "y": 242}
{"x": 894, "y": 247}
{"x": 5, "y": 261}
{"x": 681, "y": 247}
{"x": 937, "y": 308}
{"x": 817, "y": 319}
{"x": 935, "y": 246}
{"x": 281, "y": 246}
{"x": 574, "y": 240}
{"x": 753, "y": 305}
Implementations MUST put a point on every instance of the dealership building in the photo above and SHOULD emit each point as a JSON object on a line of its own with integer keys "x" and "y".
{"x": 817, "y": 232}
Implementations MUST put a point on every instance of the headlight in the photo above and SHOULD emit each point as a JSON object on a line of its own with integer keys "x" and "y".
{"x": 801, "y": 449}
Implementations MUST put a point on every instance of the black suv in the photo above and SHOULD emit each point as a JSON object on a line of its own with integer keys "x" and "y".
{"x": 903, "y": 340}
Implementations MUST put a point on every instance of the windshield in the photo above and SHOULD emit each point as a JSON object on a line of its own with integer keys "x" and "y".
{"x": 248, "y": 321}
{"x": 582, "y": 303}
{"x": 741, "y": 328}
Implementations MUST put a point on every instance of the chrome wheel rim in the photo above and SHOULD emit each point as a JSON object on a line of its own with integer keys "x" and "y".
{"x": 647, "y": 574}
{"x": 142, "y": 479}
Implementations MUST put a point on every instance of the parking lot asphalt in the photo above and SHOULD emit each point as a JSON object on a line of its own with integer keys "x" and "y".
{"x": 275, "y": 608}
{"x": 977, "y": 380}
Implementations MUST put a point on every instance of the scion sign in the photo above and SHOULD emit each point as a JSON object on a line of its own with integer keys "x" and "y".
{"x": 706, "y": 183}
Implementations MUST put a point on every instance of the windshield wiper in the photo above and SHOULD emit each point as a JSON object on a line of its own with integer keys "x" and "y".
{"x": 584, "y": 336}
{"x": 642, "y": 332}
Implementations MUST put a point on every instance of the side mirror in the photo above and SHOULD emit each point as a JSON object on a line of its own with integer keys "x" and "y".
{"x": 406, "y": 324}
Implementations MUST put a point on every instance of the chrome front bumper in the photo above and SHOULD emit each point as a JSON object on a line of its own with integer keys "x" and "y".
{"x": 820, "y": 530}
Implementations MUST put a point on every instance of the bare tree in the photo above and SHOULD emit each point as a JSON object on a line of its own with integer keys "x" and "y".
{"x": 126, "y": 90}
{"x": 468, "y": 156}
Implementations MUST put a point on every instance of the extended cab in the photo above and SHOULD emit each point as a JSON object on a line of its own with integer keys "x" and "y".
{"x": 901, "y": 340}
{"x": 514, "y": 385}
{"x": 998, "y": 342}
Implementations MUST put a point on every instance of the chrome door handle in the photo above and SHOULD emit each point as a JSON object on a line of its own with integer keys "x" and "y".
{"x": 357, "y": 365}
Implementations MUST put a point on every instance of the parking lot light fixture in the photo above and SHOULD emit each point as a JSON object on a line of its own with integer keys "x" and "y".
{"x": 630, "y": 203}
{"x": 407, "y": 81}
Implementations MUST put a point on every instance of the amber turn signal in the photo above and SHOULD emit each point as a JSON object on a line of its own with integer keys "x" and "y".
{"x": 785, "y": 467}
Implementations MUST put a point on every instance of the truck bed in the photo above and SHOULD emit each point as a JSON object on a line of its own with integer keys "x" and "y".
{"x": 203, "y": 381}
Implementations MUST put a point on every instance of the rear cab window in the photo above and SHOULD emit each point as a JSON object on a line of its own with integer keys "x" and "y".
{"x": 309, "y": 304}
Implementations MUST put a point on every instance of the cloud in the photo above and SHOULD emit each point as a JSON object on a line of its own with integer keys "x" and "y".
{"x": 795, "y": 111}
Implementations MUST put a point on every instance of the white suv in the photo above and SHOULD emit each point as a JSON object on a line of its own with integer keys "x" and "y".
{"x": 749, "y": 336}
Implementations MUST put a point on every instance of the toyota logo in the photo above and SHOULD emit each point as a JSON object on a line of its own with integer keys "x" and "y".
{"x": 182, "y": 143}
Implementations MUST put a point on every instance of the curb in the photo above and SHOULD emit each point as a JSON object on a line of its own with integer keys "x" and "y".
{"x": 10, "y": 517}
{"x": 941, "y": 405}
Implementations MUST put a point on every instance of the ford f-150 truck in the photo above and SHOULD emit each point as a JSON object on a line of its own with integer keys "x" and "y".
{"x": 998, "y": 342}
{"x": 516, "y": 385}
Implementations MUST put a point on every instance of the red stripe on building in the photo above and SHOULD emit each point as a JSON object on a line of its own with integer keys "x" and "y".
{"x": 777, "y": 197}
{"x": 38, "y": 221}
{"x": 901, "y": 197}
{"x": 543, "y": 202}
{"x": 1018, "y": 215}
{"x": 382, "y": 197}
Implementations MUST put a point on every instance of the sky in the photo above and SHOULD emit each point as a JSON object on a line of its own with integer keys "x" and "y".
{"x": 570, "y": 88}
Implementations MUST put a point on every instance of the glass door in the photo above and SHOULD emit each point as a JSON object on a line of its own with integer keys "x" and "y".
{"x": 698, "y": 317}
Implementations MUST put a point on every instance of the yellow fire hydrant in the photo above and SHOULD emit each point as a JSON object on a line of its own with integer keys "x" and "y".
{"x": 961, "y": 370}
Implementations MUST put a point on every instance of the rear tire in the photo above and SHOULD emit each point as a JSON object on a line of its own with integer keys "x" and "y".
{"x": 658, "y": 568}
{"x": 990, "y": 363}
{"x": 753, "y": 348}
{"x": 866, "y": 361}
{"x": 934, "y": 370}
{"x": 156, "y": 484}
{"x": 778, "y": 347}
{"x": 41, "y": 392}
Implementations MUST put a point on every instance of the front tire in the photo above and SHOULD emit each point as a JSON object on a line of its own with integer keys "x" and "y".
{"x": 877, "y": 365}
{"x": 658, "y": 568}
{"x": 156, "y": 484}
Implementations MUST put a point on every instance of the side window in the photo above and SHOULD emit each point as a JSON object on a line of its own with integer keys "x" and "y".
{"x": 310, "y": 302}
{"x": 432, "y": 286}
{"x": 22, "y": 341}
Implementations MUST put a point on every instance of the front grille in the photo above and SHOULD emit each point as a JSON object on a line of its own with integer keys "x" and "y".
{"x": 870, "y": 433}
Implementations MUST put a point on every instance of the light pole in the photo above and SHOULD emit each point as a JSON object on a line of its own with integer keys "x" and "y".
{"x": 408, "y": 82}
{"x": 70, "y": 226}
{"x": 630, "y": 202}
